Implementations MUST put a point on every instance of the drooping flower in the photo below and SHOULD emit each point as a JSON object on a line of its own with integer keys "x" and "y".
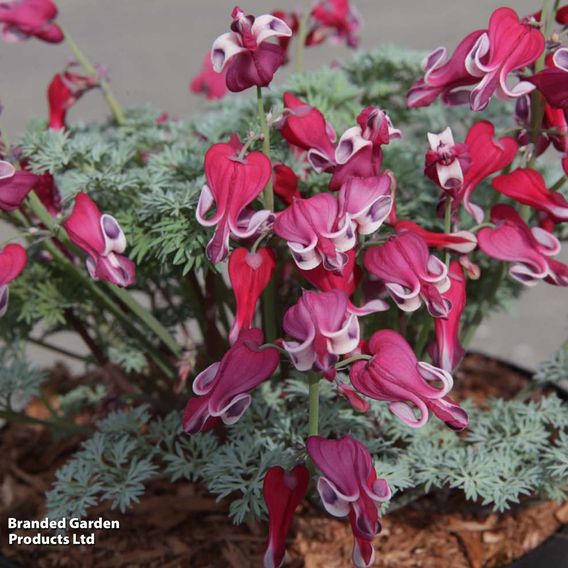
{"x": 316, "y": 233}
{"x": 359, "y": 150}
{"x": 460, "y": 241}
{"x": 209, "y": 82}
{"x": 48, "y": 192}
{"x": 447, "y": 350}
{"x": 233, "y": 183}
{"x": 305, "y": 127}
{"x": 249, "y": 273}
{"x": 285, "y": 183}
{"x": 528, "y": 187}
{"x": 484, "y": 60}
{"x": 283, "y": 491}
{"x": 323, "y": 328}
{"x": 12, "y": 262}
{"x": 23, "y": 19}
{"x": 101, "y": 237}
{"x": 508, "y": 45}
{"x": 245, "y": 53}
{"x": 552, "y": 82}
{"x": 394, "y": 374}
{"x": 63, "y": 92}
{"x": 367, "y": 202}
{"x": 530, "y": 249}
{"x": 446, "y": 161}
{"x": 488, "y": 155}
{"x": 223, "y": 388}
{"x": 445, "y": 77}
{"x": 410, "y": 273}
{"x": 14, "y": 186}
{"x": 337, "y": 19}
{"x": 350, "y": 488}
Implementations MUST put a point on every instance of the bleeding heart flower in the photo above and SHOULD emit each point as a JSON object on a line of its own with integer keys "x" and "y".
{"x": 305, "y": 127}
{"x": 529, "y": 248}
{"x": 250, "y": 274}
{"x": 223, "y": 388}
{"x": 48, "y": 192}
{"x": 101, "y": 237}
{"x": 283, "y": 491}
{"x": 337, "y": 19}
{"x": 350, "y": 488}
{"x": 445, "y": 77}
{"x": 527, "y": 186}
{"x": 323, "y": 327}
{"x": 446, "y": 161}
{"x": 245, "y": 53}
{"x": 316, "y": 232}
{"x": 485, "y": 59}
{"x": 552, "y": 82}
{"x": 488, "y": 155}
{"x": 292, "y": 20}
{"x": 14, "y": 186}
{"x": 367, "y": 202}
{"x": 233, "y": 183}
{"x": 359, "y": 150}
{"x": 23, "y": 19}
{"x": 508, "y": 45}
{"x": 394, "y": 374}
{"x": 12, "y": 262}
{"x": 460, "y": 241}
{"x": 209, "y": 82}
{"x": 285, "y": 183}
{"x": 410, "y": 273}
{"x": 63, "y": 92}
{"x": 447, "y": 350}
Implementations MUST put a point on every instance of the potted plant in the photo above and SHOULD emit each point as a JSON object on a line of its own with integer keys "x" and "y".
{"x": 276, "y": 296}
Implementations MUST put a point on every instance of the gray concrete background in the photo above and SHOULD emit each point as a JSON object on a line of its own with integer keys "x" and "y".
{"x": 153, "y": 48}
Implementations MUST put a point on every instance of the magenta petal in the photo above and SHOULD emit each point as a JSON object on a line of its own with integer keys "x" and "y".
{"x": 250, "y": 68}
{"x": 15, "y": 188}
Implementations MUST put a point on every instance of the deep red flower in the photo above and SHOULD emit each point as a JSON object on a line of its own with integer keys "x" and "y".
{"x": 394, "y": 374}
{"x": 410, "y": 273}
{"x": 337, "y": 19}
{"x": 14, "y": 186}
{"x": 350, "y": 488}
{"x": 552, "y": 82}
{"x": 250, "y": 274}
{"x": 528, "y": 187}
{"x": 529, "y": 249}
{"x": 101, "y": 237}
{"x": 285, "y": 183}
{"x": 12, "y": 262}
{"x": 305, "y": 127}
{"x": 446, "y": 162}
{"x": 245, "y": 53}
{"x": 292, "y": 20}
{"x": 283, "y": 491}
{"x": 63, "y": 92}
{"x": 223, "y": 388}
{"x": 461, "y": 241}
{"x": 447, "y": 350}
{"x": 23, "y": 19}
{"x": 233, "y": 183}
{"x": 209, "y": 82}
{"x": 488, "y": 155}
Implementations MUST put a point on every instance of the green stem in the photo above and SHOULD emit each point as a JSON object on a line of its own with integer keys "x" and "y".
{"x": 313, "y": 419}
{"x": 559, "y": 183}
{"x": 268, "y": 192}
{"x": 423, "y": 337}
{"x": 91, "y": 70}
{"x": 448, "y": 226}
{"x": 268, "y": 298}
{"x": 353, "y": 359}
{"x": 300, "y": 46}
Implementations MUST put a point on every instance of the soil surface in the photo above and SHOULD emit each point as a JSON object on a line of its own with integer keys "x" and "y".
{"x": 178, "y": 525}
